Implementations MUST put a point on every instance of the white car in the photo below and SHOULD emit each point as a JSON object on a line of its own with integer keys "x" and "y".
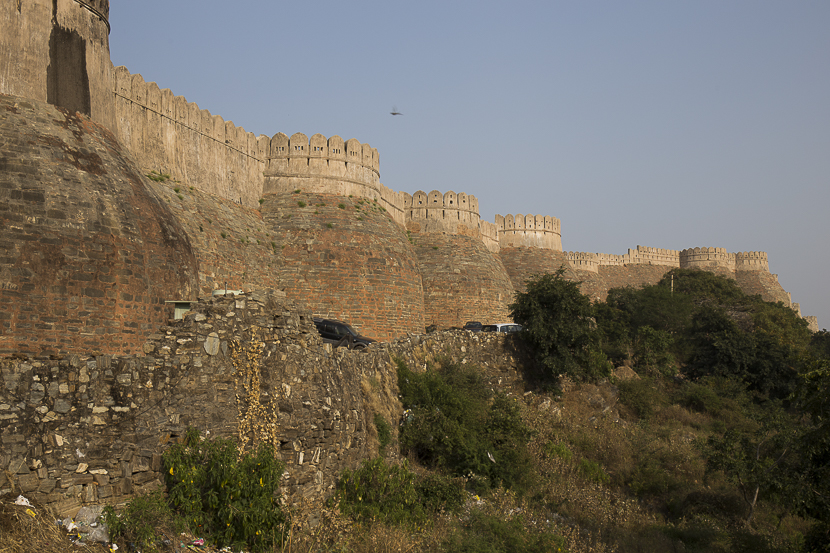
{"x": 502, "y": 327}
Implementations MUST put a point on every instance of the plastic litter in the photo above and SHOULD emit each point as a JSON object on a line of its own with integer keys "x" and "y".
{"x": 22, "y": 501}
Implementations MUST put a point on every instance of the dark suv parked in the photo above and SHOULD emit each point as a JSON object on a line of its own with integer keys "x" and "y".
{"x": 475, "y": 326}
{"x": 339, "y": 334}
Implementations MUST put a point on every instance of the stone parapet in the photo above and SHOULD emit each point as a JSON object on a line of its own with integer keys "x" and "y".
{"x": 534, "y": 231}
{"x": 169, "y": 135}
{"x": 751, "y": 261}
{"x": 448, "y": 213}
{"x": 707, "y": 258}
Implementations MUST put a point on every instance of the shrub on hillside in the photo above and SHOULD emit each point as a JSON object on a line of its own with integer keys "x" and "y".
{"x": 483, "y": 533}
{"x": 392, "y": 494}
{"x": 459, "y": 425}
{"x": 229, "y": 499}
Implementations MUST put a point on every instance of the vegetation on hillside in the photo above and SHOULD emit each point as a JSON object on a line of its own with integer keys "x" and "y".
{"x": 712, "y": 435}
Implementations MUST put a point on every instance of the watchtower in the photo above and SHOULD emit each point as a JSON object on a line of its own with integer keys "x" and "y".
{"x": 57, "y": 51}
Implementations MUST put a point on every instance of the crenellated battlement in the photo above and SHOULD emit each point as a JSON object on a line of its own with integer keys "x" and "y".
{"x": 751, "y": 261}
{"x": 535, "y": 231}
{"x": 707, "y": 258}
{"x": 702, "y": 258}
{"x": 583, "y": 261}
{"x": 321, "y": 165}
{"x": 169, "y": 135}
{"x": 448, "y": 213}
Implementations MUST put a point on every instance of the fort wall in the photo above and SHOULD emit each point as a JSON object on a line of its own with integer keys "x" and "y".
{"x": 57, "y": 51}
{"x": 534, "y": 231}
{"x": 707, "y": 258}
{"x": 448, "y": 213}
{"x": 234, "y": 248}
{"x": 462, "y": 279}
{"x": 524, "y": 262}
{"x": 167, "y": 134}
{"x": 88, "y": 253}
{"x": 321, "y": 165}
{"x": 346, "y": 258}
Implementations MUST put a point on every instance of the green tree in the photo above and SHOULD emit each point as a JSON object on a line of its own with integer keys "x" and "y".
{"x": 755, "y": 459}
{"x": 559, "y": 326}
{"x": 813, "y": 498}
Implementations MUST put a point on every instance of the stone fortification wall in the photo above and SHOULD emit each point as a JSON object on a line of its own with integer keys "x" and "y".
{"x": 449, "y": 212}
{"x": 535, "y": 231}
{"x": 57, "y": 51}
{"x": 88, "y": 253}
{"x": 751, "y": 261}
{"x": 522, "y": 263}
{"x": 640, "y": 256}
{"x": 583, "y": 261}
{"x": 714, "y": 259}
{"x": 462, "y": 279}
{"x": 234, "y": 247}
{"x": 763, "y": 284}
{"x": 85, "y": 430}
{"x": 346, "y": 258}
{"x": 169, "y": 135}
{"x": 490, "y": 236}
{"x": 328, "y": 166}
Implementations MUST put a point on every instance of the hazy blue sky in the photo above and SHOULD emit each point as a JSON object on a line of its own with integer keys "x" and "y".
{"x": 663, "y": 124}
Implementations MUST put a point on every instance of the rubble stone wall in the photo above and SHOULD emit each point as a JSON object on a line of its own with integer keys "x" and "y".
{"x": 251, "y": 367}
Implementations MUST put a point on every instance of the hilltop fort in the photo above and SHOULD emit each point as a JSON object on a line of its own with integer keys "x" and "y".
{"x": 93, "y": 250}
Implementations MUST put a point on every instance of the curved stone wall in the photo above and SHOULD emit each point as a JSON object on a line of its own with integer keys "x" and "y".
{"x": 536, "y": 231}
{"x": 462, "y": 279}
{"x": 522, "y": 263}
{"x": 232, "y": 243}
{"x": 89, "y": 253}
{"x": 321, "y": 165}
{"x": 713, "y": 259}
{"x": 345, "y": 258}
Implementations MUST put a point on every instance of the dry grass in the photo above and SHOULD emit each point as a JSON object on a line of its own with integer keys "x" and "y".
{"x": 21, "y": 532}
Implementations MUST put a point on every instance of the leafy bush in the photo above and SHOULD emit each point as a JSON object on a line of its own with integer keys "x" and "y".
{"x": 483, "y": 533}
{"x": 146, "y": 522}
{"x": 653, "y": 351}
{"x": 592, "y": 471}
{"x": 700, "y": 398}
{"x": 384, "y": 431}
{"x": 392, "y": 494}
{"x": 457, "y": 424}
{"x": 640, "y": 395}
{"x": 558, "y": 324}
{"x": 229, "y": 499}
{"x": 558, "y": 450}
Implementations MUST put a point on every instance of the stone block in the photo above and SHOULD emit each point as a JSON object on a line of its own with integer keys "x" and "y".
{"x": 28, "y": 482}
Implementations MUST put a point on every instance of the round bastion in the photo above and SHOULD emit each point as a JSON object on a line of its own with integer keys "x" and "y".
{"x": 89, "y": 253}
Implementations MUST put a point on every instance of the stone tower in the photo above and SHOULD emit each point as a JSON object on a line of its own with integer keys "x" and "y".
{"x": 57, "y": 51}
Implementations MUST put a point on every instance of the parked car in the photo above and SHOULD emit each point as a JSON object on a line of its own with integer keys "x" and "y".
{"x": 502, "y": 327}
{"x": 339, "y": 334}
{"x": 473, "y": 326}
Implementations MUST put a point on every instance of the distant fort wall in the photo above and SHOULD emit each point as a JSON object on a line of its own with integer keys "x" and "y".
{"x": 692, "y": 258}
{"x": 535, "y": 231}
